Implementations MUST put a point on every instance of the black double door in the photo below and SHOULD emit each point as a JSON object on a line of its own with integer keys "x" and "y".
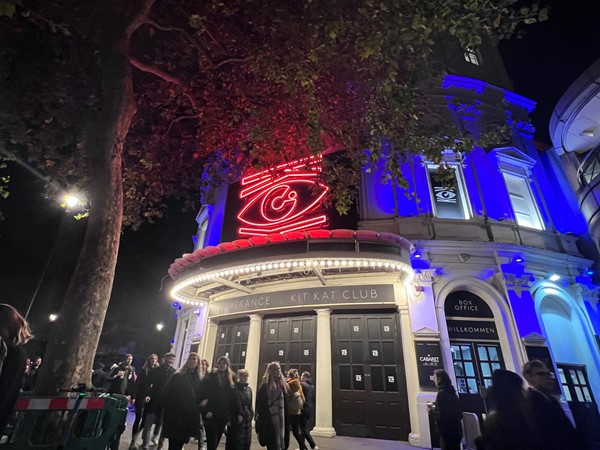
{"x": 290, "y": 341}
{"x": 232, "y": 341}
{"x": 369, "y": 382}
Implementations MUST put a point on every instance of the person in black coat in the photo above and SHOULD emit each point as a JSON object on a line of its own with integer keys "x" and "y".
{"x": 99, "y": 376}
{"x": 219, "y": 402}
{"x": 154, "y": 409}
{"x": 507, "y": 427}
{"x": 552, "y": 427}
{"x": 180, "y": 399}
{"x": 308, "y": 411}
{"x": 14, "y": 333}
{"x": 143, "y": 386}
{"x": 239, "y": 435}
{"x": 447, "y": 412}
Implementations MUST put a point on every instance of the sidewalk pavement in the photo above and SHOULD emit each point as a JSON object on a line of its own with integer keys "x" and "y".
{"x": 334, "y": 443}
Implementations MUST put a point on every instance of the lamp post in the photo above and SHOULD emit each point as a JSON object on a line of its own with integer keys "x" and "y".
{"x": 69, "y": 203}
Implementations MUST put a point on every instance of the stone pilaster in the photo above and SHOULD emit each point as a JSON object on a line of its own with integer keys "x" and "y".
{"x": 323, "y": 377}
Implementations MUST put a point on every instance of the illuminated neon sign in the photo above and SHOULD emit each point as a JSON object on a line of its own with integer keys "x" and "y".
{"x": 286, "y": 198}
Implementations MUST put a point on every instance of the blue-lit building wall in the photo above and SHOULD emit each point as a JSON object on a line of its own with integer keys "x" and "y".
{"x": 533, "y": 276}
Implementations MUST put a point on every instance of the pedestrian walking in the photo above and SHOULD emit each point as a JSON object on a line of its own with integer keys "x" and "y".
{"x": 14, "y": 333}
{"x": 447, "y": 412}
{"x": 181, "y": 399}
{"x": 308, "y": 411}
{"x": 32, "y": 374}
{"x": 143, "y": 387}
{"x": 121, "y": 378}
{"x": 270, "y": 408}
{"x": 507, "y": 426}
{"x": 295, "y": 403}
{"x": 99, "y": 376}
{"x": 551, "y": 426}
{"x": 154, "y": 408}
{"x": 219, "y": 402}
{"x": 239, "y": 435}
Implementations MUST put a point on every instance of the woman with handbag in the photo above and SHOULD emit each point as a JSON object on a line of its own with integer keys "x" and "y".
{"x": 295, "y": 403}
{"x": 270, "y": 408}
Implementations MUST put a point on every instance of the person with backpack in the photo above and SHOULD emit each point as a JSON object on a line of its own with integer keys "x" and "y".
{"x": 295, "y": 404}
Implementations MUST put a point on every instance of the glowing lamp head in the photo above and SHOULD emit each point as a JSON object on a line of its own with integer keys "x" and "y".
{"x": 160, "y": 326}
{"x": 589, "y": 272}
{"x": 554, "y": 277}
{"x": 52, "y": 317}
{"x": 517, "y": 259}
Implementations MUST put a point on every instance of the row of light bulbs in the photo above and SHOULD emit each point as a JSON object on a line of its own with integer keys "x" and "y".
{"x": 322, "y": 263}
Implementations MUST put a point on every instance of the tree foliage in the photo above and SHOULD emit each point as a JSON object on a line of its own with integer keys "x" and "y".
{"x": 133, "y": 100}
{"x": 240, "y": 84}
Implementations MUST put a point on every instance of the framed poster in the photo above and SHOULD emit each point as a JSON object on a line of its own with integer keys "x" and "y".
{"x": 429, "y": 358}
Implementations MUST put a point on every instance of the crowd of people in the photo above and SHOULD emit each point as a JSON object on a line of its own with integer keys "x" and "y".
{"x": 518, "y": 418}
{"x": 197, "y": 403}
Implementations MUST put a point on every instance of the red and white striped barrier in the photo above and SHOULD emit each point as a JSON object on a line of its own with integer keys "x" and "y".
{"x": 62, "y": 403}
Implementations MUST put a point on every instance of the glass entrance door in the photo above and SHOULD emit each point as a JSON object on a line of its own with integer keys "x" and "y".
{"x": 474, "y": 363}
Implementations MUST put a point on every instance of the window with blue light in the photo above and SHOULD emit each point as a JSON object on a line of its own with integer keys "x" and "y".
{"x": 448, "y": 196}
{"x": 517, "y": 171}
{"x": 522, "y": 201}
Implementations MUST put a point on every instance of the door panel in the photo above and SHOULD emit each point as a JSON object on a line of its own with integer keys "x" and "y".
{"x": 368, "y": 373}
{"x": 232, "y": 341}
{"x": 291, "y": 341}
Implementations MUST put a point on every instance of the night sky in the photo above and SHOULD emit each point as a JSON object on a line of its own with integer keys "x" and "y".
{"x": 541, "y": 65}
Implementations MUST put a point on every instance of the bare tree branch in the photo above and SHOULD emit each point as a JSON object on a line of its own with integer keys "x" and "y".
{"x": 164, "y": 76}
{"x": 178, "y": 119}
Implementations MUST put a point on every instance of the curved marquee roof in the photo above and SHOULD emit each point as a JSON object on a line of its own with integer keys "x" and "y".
{"x": 323, "y": 255}
{"x": 182, "y": 264}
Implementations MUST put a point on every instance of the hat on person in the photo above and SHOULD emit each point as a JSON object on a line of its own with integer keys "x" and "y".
{"x": 224, "y": 358}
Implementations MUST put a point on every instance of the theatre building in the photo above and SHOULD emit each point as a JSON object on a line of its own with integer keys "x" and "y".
{"x": 486, "y": 272}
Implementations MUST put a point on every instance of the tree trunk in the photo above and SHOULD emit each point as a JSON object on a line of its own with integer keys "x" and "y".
{"x": 71, "y": 348}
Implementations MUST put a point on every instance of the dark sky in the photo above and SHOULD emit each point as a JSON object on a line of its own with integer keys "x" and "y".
{"x": 552, "y": 54}
{"x": 541, "y": 65}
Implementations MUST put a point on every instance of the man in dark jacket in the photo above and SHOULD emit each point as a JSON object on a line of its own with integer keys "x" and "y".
{"x": 552, "y": 427}
{"x": 121, "y": 379}
{"x": 308, "y": 411}
{"x": 99, "y": 376}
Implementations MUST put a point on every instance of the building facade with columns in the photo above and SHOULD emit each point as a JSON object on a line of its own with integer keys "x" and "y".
{"x": 486, "y": 272}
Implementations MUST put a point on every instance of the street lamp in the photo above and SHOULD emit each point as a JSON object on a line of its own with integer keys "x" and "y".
{"x": 159, "y": 327}
{"x": 69, "y": 202}
{"x": 52, "y": 317}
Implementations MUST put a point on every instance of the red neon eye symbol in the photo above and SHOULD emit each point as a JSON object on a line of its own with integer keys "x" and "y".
{"x": 285, "y": 203}
{"x": 287, "y": 200}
